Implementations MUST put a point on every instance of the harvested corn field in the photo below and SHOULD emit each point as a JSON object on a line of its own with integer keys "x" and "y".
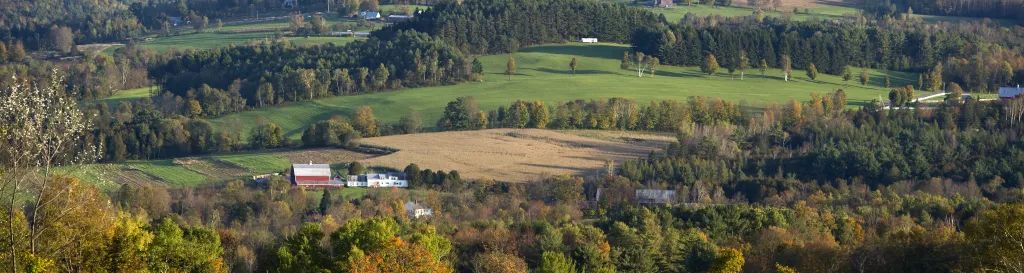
{"x": 516, "y": 155}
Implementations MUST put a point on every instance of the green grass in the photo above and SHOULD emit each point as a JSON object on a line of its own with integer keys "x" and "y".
{"x": 824, "y": 12}
{"x": 394, "y": 8}
{"x": 543, "y": 74}
{"x": 99, "y": 175}
{"x": 256, "y": 163}
{"x": 301, "y": 41}
{"x": 123, "y": 95}
{"x": 675, "y": 13}
{"x": 168, "y": 172}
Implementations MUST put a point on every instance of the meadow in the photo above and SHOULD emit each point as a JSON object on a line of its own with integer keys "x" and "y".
{"x": 122, "y": 96}
{"x": 544, "y": 74}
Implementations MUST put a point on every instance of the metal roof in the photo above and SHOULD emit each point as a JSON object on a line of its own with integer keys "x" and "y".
{"x": 1010, "y": 92}
{"x": 311, "y": 170}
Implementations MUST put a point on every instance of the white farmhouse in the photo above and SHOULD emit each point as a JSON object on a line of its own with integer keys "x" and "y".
{"x": 378, "y": 180}
{"x": 588, "y": 40}
{"x": 415, "y": 210}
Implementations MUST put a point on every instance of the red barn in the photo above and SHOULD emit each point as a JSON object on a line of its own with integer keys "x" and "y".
{"x": 311, "y": 175}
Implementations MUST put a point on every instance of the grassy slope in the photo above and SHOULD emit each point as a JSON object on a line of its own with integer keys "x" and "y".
{"x": 123, "y": 95}
{"x": 168, "y": 172}
{"x": 675, "y": 13}
{"x": 544, "y": 75}
{"x": 256, "y": 163}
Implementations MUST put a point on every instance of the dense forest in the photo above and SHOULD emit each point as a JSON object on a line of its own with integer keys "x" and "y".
{"x": 502, "y": 26}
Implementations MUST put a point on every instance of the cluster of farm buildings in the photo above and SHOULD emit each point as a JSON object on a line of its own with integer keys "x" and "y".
{"x": 320, "y": 176}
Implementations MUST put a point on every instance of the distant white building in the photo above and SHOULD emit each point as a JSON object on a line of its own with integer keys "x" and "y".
{"x": 588, "y": 40}
{"x": 369, "y": 15}
{"x": 378, "y": 180}
{"x": 415, "y": 210}
{"x": 399, "y": 18}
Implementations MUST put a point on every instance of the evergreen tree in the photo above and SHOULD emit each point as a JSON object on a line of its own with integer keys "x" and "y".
{"x": 326, "y": 202}
{"x": 478, "y": 68}
{"x": 887, "y": 83}
{"x": 847, "y": 74}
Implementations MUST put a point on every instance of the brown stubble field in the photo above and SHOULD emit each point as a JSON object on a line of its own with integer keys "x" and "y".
{"x": 516, "y": 155}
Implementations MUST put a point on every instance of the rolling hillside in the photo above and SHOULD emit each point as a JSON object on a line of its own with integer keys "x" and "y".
{"x": 544, "y": 74}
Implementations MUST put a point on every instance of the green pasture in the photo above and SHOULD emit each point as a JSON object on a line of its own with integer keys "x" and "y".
{"x": 544, "y": 74}
{"x": 256, "y": 163}
{"x": 168, "y": 172}
{"x": 129, "y": 95}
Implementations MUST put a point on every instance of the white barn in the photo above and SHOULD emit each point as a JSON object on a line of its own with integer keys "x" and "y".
{"x": 588, "y": 40}
{"x": 378, "y": 180}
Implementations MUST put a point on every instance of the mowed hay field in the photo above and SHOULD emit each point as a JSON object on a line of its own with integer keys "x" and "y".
{"x": 516, "y": 155}
{"x": 544, "y": 75}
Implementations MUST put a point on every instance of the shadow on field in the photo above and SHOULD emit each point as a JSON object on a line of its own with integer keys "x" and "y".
{"x": 604, "y": 51}
{"x": 569, "y": 71}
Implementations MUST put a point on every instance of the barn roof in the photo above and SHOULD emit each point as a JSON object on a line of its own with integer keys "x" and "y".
{"x": 311, "y": 170}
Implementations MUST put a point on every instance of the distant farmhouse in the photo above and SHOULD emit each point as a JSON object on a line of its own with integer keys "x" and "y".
{"x": 588, "y": 40}
{"x": 369, "y": 15}
{"x": 378, "y": 180}
{"x": 399, "y": 18}
{"x": 416, "y": 210}
{"x": 663, "y": 3}
{"x": 1008, "y": 93}
{"x": 314, "y": 176}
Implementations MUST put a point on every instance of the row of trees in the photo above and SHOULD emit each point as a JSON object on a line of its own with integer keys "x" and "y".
{"x": 615, "y": 113}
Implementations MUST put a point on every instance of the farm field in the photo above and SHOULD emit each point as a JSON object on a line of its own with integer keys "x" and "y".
{"x": 123, "y": 95}
{"x": 516, "y": 155}
{"x": 544, "y": 74}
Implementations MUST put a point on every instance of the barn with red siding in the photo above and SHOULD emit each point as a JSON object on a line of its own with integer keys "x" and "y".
{"x": 312, "y": 175}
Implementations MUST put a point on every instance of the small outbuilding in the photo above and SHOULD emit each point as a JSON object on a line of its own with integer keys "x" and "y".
{"x": 588, "y": 40}
{"x": 399, "y": 18}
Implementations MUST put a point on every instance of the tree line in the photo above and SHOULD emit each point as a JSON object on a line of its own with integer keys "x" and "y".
{"x": 833, "y": 47}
